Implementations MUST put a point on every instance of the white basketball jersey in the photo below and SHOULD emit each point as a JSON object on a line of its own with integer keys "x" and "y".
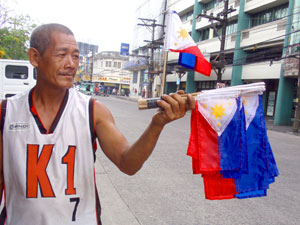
{"x": 49, "y": 176}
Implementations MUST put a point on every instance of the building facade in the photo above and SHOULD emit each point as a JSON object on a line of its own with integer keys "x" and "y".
{"x": 108, "y": 72}
{"x": 145, "y": 62}
{"x": 261, "y": 42}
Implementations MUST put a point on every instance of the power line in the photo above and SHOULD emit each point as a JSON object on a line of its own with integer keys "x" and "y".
{"x": 258, "y": 43}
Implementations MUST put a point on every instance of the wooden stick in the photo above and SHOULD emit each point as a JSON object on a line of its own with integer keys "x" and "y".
{"x": 163, "y": 79}
{"x": 151, "y": 103}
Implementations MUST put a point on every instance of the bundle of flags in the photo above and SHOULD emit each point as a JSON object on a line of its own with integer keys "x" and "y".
{"x": 229, "y": 145}
{"x": 177, "y": 39}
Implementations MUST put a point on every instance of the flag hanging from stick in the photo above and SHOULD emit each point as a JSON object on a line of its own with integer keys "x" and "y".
{"x": 177, "y": 39}
{"x": 229, "y": 144}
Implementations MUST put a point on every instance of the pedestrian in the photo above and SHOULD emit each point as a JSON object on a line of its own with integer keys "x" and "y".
{"x": 97, "y": 90}
{"x": 114, "y": 91}
{"x": 48, "y": 136}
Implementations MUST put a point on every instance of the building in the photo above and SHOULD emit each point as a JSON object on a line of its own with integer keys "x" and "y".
{"x": 85, "y": 68}
{"x": 145, "y": 62}
{"x": 262, "y": 43}
{"x": 108, "y": 72}
{"x": 86, "y": 48}
{"x": 262, "y": 38}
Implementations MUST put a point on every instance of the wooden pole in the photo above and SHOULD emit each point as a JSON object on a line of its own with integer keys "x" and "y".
{"x": 163, "y": 79}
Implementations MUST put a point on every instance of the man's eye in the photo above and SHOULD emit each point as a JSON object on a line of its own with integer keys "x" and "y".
{"x": 75, "y": 56}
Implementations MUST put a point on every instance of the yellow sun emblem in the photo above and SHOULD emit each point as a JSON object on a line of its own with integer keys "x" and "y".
{"x": 218, "y": 111}
{"x": 183, "y": 34}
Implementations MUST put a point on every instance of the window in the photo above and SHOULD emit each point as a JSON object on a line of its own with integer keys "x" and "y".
{"x": 108, "y": 64}
{"x": 269, "y": 15}
{"x": 210, "y": 5}
{"x": 142, "y": 76}
{"x": 219, "y": 29}
{"x": 206, "y": 85}
{"x": 16, "y": 72}
{"x": 204, "y": 34}
{"x": 119, "y": 64}
{"x": 187, "y": 16}
{"x": 135, "y": 77}
{"x": 231, "y": 28}
{"x": 116, "y": 64}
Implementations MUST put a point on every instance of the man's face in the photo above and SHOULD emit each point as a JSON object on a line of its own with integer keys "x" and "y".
{"x": 57, "y": 67}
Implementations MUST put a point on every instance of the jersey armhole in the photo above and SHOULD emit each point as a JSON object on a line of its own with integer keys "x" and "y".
{"x": 2, "y": 114}
{"x": 92, "y": 124}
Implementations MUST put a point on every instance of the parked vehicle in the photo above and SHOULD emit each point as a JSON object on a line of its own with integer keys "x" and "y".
{"x": 15, "y": 76}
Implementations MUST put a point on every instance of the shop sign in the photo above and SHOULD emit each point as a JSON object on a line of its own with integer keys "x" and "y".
{"x": 86, "y": 77}
{"x": 108, "y": 79}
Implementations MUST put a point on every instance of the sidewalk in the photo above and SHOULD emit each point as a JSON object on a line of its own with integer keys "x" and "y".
{"x": 284, "y": 129}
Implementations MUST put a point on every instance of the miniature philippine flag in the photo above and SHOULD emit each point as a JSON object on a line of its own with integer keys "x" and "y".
{"x": 229, "y": 144}
{"x": 177, "y": 39}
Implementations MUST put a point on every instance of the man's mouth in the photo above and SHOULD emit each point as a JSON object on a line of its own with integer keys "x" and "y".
{"x": 67, "y": 74}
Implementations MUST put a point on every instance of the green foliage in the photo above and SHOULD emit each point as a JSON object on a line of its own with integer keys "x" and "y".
{"x": 14, "y": 35}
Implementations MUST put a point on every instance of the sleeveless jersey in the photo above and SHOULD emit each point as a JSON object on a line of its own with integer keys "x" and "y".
{"x": 49, "y": 176}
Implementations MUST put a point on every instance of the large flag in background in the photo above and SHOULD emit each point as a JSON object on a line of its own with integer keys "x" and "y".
{"x": 229, "y": 144}
{"x": 177, "y": 39}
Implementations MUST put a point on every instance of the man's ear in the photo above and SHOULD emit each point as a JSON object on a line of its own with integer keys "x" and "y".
{"x": 33, "y": 56}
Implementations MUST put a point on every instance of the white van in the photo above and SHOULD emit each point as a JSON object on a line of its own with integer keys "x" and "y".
{"x": 15, "y": 76}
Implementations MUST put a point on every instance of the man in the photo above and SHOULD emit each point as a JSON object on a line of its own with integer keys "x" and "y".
{"x": 47, "y": 138}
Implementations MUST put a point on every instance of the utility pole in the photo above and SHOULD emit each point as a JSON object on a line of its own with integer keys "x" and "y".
{"x": 220, "y": 65}
{"x": 297, "y": 110}
{"x": 152, "y": 45}
{"x": 92, "y": 66}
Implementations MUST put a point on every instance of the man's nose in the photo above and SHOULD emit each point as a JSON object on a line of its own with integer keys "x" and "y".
{"x": 70, "y": 63}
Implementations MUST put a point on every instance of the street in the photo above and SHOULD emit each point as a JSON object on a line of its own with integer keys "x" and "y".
{"x": 165, "y": 192}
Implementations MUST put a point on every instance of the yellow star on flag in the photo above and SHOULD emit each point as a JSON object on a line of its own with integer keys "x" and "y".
{"x": 218, "y": 111}
{"x": 183, "y": 34}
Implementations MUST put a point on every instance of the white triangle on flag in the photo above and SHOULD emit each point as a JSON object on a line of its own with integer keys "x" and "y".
{"x": 250, "y": 102}
{"x": 218, "y": 112}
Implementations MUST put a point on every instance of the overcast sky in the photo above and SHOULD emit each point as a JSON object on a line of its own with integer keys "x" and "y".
{"x": 106, "y": 23}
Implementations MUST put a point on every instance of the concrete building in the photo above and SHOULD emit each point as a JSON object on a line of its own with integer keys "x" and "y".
{"x": 108, "y": 71}
{"x": 146, "y": 48}
{"x": 259, "y": 37}
{"x": 86, "y": 48}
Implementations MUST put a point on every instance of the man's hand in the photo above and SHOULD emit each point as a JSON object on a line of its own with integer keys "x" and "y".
{"x": 172, "y": 107}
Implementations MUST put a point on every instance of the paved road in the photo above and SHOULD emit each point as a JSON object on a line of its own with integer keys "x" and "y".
{"x": 165, "y": 192}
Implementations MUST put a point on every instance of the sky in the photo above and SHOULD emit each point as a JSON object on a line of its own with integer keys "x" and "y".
{"x": 106, "y": 23}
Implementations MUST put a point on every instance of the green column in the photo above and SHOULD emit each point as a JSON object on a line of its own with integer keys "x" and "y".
{"x": 190, "y": 80}
{"x": 239, "y": 56}
{"x": 284, "y": 101}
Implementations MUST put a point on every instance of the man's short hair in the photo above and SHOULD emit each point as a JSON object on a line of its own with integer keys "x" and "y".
{"x": 41, "y": 36}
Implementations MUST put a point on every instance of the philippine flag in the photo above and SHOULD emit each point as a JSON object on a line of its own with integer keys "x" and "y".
{"x": 229, "y": 144}
{"x": 177, "y": 39}
{"x": 262, "y": 168}
{"x": 216, "y": 144}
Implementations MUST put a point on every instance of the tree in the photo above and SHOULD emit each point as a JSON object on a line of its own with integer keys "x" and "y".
{"x": 14, "y": 34}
